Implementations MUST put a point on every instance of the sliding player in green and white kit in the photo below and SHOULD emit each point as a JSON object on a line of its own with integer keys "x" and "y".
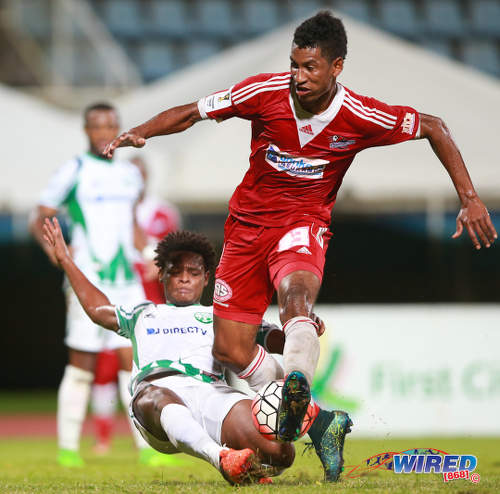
{"x": 180, "y": 401}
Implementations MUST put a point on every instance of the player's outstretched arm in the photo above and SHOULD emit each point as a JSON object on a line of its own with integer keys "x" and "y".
{"x": 170, "y": 121}
{"x": 473, "y": 215}
{"x": 94, "y": 302}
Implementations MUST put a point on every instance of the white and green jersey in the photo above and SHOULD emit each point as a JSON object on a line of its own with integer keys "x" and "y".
{"x": 166, "y": 337}
{"x": 99, "y": 196}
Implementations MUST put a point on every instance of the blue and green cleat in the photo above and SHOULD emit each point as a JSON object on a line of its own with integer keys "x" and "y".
{"x": 328, "y": 434}
{"x": 296, "y": 396}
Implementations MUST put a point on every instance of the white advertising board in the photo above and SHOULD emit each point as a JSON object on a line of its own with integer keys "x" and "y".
{"x": 411, "y": 370}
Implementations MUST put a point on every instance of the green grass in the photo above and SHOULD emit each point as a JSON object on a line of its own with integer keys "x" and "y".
{"x": 28, "y": 466}
{"x": 35, "y": 401}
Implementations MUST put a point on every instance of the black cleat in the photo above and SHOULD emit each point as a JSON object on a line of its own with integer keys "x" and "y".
{"x": 296, "y": 396}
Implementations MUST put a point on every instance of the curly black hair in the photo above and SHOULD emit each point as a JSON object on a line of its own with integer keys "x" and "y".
{"x": 187, "y": 241}
{"x": 324, "y": 31}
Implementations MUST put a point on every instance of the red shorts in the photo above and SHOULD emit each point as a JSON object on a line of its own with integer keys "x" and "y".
{"x": 256, "y": 258}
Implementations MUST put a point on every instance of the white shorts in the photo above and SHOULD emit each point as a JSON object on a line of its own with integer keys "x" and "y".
{"x": 208, "y": 403}
{"x": 82, "y": 334}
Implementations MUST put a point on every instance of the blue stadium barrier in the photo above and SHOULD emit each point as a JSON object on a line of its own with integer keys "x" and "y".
{"x": 444, "y": 18}
{"x": 482, "y": 55}
{"x": 399, "y": 17}
{"x": 198, "y": 51}
{"x": 299, "y": 9}
{"x": 215, "y": 18}
{"x": 259, "y": 16}
{"x": 485, "y": 17}
{"x": 437, "y": 45}
{"x": 357, "y": 9}
{"x": 123, "y": 18}
{"x": 156, "y": 59}
{"x": 169, "y": 18}
{"x": 35, "y": 18}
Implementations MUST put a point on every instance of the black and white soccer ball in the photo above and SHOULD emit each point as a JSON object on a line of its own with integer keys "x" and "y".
{"x": 265, "y": 409}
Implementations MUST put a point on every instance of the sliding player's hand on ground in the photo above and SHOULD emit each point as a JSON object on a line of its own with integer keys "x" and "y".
{"x": 123, "y": 140}
{"x": 475, "y": 219}
{"x": 56, "y": 245}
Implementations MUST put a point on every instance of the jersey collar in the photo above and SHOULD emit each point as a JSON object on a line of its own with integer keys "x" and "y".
{"x": 99, "y": 158}
{"x": 310, "y": 125}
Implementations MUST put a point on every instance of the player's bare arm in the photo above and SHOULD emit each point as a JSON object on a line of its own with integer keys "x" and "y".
{"x": 94, "y": 302}
{"x": 171, "y": 121}
{"x": 473, "y": 215}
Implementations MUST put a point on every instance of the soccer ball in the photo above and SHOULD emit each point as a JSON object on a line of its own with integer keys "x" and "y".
{"x": 265, "y": 408}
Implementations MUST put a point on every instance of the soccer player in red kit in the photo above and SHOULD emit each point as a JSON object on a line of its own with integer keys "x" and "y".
{"x": 306, "y": 130}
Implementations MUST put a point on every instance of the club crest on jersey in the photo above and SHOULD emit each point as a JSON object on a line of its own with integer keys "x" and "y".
{"x": 203, "y": 317}
{"x": 340, "y": 142}
{"x": 222, "y": 291}
{"x": 296, "y": 166}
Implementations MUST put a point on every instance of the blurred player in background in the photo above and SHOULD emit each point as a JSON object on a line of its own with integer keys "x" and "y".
{"x": 104, "y": 399}
{"x": 99, "y": 196}
{"x": 156, "y": 217}
{"x": 306, "y": 130}
{"x": 180, "y": 400}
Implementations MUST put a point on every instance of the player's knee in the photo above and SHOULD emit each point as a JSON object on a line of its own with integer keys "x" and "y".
{"x": 231, "y": 355}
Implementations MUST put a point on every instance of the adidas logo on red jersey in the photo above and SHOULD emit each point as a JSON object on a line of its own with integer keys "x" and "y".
{"x": 304, "y": 250}
{"x": 307, "y": 129}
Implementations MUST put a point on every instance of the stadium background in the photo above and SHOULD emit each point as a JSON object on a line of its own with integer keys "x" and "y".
{"x": 391, "y": 249}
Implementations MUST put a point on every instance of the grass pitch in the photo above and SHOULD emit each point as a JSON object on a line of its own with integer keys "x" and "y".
{"x": 28, "y": 466}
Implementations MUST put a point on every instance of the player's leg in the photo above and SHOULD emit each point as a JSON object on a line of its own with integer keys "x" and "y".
{"x": 72, "y": 400}
{"x": 166, "y": 419}
{"x": 235, "y": 347}
{"x": 297, "y": 272}
{"x": 242, "y": 293}
{"x": 147, "y": 455}
{"x": 238, "y": 431}
{"x": 84, "y": 341}
{"x": 104, "y": 399}
{"x": 297, "y": 293}
{"x": 125, "y": 364}
{"x": 296, "y": 268}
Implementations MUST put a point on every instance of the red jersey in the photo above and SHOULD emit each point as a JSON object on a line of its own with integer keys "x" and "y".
{"x": 298, "y": 159}
{"x": 157, "y": 218}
